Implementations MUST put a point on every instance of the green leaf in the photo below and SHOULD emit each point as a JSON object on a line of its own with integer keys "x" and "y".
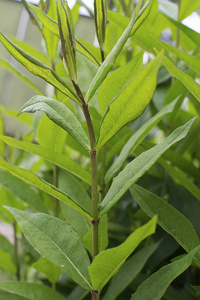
{"x": 21, "y": 190}
{"x": 57, "y": 242}
{"x": 56, "y": 158}
{"x": 128, "y": 272}
{"x": 189, "y": 83}
{"x": 10, "y": 67}
{"x": 100, "y": 15}
{"x": 59, "y": 114}
{"x": 191, "y": 34}
{"x": 108, "y": 262}
{"x": 109, "y": 61}
{"x": 6, "y": 262}
{"x": 36, "y": 181}
{"x": 170, "y": 219}
{"x": 130, "y": 102}
{"x": 15, "y": 290}
{"x": 156, "y": 285}
{"x": 52, "y": 25}
{"x": 38, "y": 68}
{"x": 68, "y": 44}
{"x": 190, "y": 60}
{"x": 135, "y": 169}
{"x": 25, "y": 119}
{"x": 116, "y": 80}
{"x": 187, "y": 7}
{"x": 137, "y": 138}
{"x": 51, "y": 271}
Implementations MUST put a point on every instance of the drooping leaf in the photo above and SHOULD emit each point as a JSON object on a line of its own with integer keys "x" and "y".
{"x": 57, "y": 242}
{"x": 128, "y": 272}
{"x": 134, "y": 141}
{"x": 10, "y": 67}
{"x": 14, "y": 290}
{"x": 21, "y": 190}
{"x": 156, "y": 285}
{"x": 130, "y": 102}
{"x": 170, "y": 219}
{"x": 34, "y": 180}
{"x": 58, "y": 159}
{"x": 59, "y": 114}
{"x": 116, "y": 80}
{"x": 135, "y": 169}
{"x": 38, "y": 68}
{"x": 108, "y": 262}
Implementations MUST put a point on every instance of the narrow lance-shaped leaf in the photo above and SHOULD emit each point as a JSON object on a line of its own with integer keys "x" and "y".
{"x": 38, "y": 68}
{"x": 100, "y": 13}
{"x": 129, "y": 271}
{"x": 15, "y": 290}
{"x": 135, "y": 169}
{"x": 108, "y": 262}
{"x": 176, "y": 225}
{"x": 187, "y": 7}
{"x": 109, "y": 61}
{"x": 130, "y": 102}
{"x": 66, "y": 30}
{"x": 57, "y": 242}
{"x": 156, "y": 285}
{"x": 56, "y": 158}
{"x": 52, "y": 25}
{"x": 137, "y": 138}
{"x": 41, "y": 184}
{"x": 190, "y": 84}
{"x": 59, "y": 114}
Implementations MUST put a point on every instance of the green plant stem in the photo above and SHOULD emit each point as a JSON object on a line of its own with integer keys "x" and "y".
{"x": 94, "y": 187}
{"x": 55, "y": 183}
{"x": 102, "y": 175}
{"x": 16, "y": 251}
{"x": 177, "y": 38}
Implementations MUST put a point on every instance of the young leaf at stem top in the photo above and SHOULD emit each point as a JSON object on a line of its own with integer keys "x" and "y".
{"x": 100, "y": 12}
{"x": 66, "y": 30}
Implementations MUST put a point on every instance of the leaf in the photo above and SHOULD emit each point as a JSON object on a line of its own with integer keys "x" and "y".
{"x": 108, "y": 262}
{"x": 57, "y": 242}
{"x": 51, "y": 271}
{"x": 156, "y": 285}
{"x": 116, "y": 80}
{"x": 190, "y": 84}
{"x": 52, "y": 25}
{"x": 25, "y": 119}
{"x": 137, "y": 138}
{"x": 38, "y": 68}
{"x": 56, "y": 158}
{"x": 135, "y": 169}
{"x": 10, "y": 67}
{"x": 59, "y": 114}
{"x": 36, "y": 181}
{"x": 100, "y": 15}
{"x": 21, "y": 190}
{"x": 130, "y": 102}
{"x": 190, "y": 60}
{"x": 128, "y": 272}
{"x": 6, "y": 262}
{"x": 187, "y": 7}
{"x": 170, "y": 219}
{"x": 15, "y": 290}
{"x": 109, "y": 61}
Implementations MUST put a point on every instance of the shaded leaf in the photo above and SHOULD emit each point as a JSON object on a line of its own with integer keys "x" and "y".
{"x": 156, "y": 285}
{"x": 51, "y": 271}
